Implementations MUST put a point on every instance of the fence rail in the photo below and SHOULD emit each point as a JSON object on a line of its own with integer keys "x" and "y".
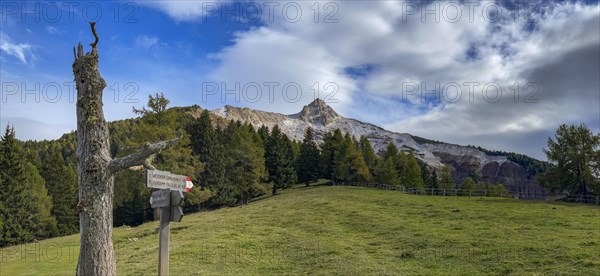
{"x": 471, "y": 192}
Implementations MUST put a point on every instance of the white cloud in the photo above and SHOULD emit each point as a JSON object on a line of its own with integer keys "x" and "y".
{"x": 146, "y": 41}
{"x": 561, "y": 57}
{"x": 185, "y": 10}
{"x": 53, "y": 30}
{"x": 559, "y": 52}
{"x": 22, "y": 51}
{"x": 264, "y": 55}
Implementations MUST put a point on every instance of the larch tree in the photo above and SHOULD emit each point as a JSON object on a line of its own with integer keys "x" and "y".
{"x": 349, "y": 164}
{"x": 574, "y": 153}
{"x": 468, "y": 184}
{"x": 410, "y": 174}
{"x": 96, "y": 168}
{"x": 386, "y": 173}
{"x": 368, "y": 153}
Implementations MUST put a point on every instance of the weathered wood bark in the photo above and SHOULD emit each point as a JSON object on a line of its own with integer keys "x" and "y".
{"x": 95, "y": 168}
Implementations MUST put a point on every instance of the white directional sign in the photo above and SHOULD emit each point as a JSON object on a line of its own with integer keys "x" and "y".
{"x": 166, "y": 180}
{"x": 167, "y": 199}
{"x": 160, "y": 198}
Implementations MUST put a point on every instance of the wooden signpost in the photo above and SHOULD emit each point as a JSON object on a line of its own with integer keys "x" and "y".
{"x": 167, "y": 200}
{"x": 166, "y": 180}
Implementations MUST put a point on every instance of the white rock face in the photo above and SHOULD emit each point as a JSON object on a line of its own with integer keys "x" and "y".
{"x": 323, "y": 119}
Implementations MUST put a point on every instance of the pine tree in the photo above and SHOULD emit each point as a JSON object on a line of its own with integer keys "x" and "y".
{"x": 391, "y": 151}
{"x": 433, "y": 180}
{"x": 386, "y": 173}
{"x": 211, "y": 151}
{"x": 308, "y": 161}
{"x": 331, "y": 144}
{"x": 474, "y": 176}
{"x": 42, "y": 202}
{"x": 245, "y": 163}
{"x": 61, "y": 183}
{"x": 3, "y": 192}
{"x": 3, "y": 211}
{"x": 214, "y": 177}
{"x": 280, "y": 162}
{"x": 263, "y": 132}
{"x": 446, "y": 180}
{"x": 21, "y": 187}
{"x": 202, "y": 136}
{"x": 429, "y": 177}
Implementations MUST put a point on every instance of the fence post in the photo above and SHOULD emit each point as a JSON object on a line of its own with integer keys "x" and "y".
{"x": 444, "y": 191}
{"x": 470, "y": 192}
{"x": 485, "y": 193}
{"x": 500, "y": 194}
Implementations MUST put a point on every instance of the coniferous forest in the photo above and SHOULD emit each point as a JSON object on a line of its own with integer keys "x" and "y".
{"x": 230, "y": 163}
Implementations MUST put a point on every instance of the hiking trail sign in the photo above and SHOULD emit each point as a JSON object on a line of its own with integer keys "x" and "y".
{"x": 160, "y": 198}
{"x": 168, "y": 199}
{"x": 166, "y": 180}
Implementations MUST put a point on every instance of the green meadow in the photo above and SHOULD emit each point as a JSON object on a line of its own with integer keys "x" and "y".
{"x": 350, "y": 231}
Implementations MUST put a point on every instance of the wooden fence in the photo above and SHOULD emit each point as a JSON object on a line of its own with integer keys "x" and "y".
{"x": 470, "y": 192}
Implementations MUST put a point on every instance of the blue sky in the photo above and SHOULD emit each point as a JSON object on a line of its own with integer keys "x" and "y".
{"x": 370, "y": 60}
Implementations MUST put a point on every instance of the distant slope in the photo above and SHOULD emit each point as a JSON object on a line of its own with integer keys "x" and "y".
{"x": 349, "y": 231}
{"x": 515, "y": 171}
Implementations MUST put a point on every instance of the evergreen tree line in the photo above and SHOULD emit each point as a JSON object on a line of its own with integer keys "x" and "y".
{"x": 36, "y": 199}
{"x": 241, "y": 163}
{"x": 233, "y": 162}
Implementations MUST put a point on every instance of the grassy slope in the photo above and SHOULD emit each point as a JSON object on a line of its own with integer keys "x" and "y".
{"x": 349, "y": 231}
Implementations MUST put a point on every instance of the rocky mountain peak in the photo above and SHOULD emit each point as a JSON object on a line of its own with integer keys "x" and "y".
{"x": 323, "y": 119}
{"x": 318, "y": 112}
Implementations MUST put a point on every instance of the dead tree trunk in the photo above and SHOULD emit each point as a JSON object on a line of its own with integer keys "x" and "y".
{"x": 95, "y": 167}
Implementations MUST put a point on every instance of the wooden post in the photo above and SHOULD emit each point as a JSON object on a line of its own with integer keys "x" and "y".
{"x": 163, "y": 243}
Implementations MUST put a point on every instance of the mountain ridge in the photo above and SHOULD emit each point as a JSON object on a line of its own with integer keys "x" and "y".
{"x": 463, "y": 160}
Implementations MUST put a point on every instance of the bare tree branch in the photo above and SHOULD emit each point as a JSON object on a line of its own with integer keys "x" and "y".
{"x": 143, "y": 156}
{"x": 148, "y": 162}
{"x": 93, "y": 26}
